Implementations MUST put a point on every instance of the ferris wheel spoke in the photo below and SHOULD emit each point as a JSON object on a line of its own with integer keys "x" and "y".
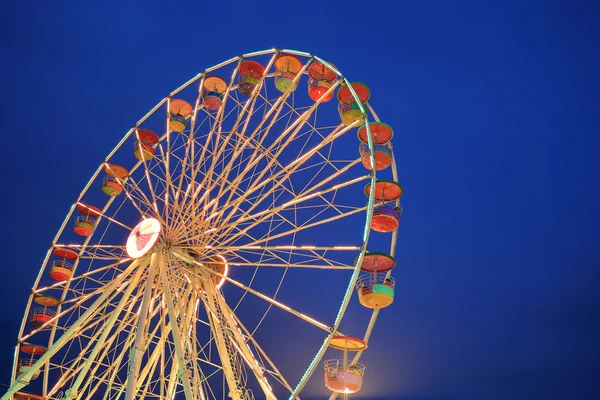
{"x": 104, "y": 256}
{"x": 146, "y": 374}
{"x": 218, "y": 218}
{"x": 66, "y": 312}
{"x": 83, "y": 293}
{"x": 80, "y": 298}
{"x": 179, "y": 203}
{"x": 138, "y": 198}
{"x": 264, "y": 215}
{"x": 286, "y": 172}
{"x": 102, "y": 215}
{"x": 211, "y": 205}
{"x": 88, "y": 330}
{"x": 146, "y": 172}
{"x": 221, "y": 220}
{"x": 165, "y": 158}
{"x": 86, "y": 250}
{"x": 223, "y": 228}
{"x": 135, "y": 357}
{"x": 189, "y": 373}
{"x": 214, "y": 234}
{"x": 233, "y": 187}
{"x": 189, "y": 148}
{"x": 186, "y": 204}
{"x": 74, "y": 367}
{"x": 297, "y": 257}
{"x": 266, "y": 251}
{"x": 313, "y": 125}
{"x": 161, "y": 185}
{"x": 91, "y": 325}
{"x": 239, "y": 143}
{"x": 106, "y": 330}
{"x": 218, "y": 147}
{"x": 203, "y": 149}
{"x": 175, "y": 171}
{"x": 190, "y": 210}
{"x": 104, "y": 356}
{"x": 272, "y": 255}
{"x": 80, "y": 277}
{"x": 24, "y": 378}
{"x": 227, "y": 353}
{"x": 103, "y": 252}
{"x": 218, "y": 179}
{"x": 290, "y": 265}
{"x": 302, "y": 254}
{"x": 229, "y": 249}
{"x": 273, "y": 112}
{"x": 232, "y": 239}
{"x": 152, "y": 360}
{"x": 173, "y": 379}
{"x": 291, "y": 130}
{"x": 151, "y": 364}
{"x": 123, "y": 182}
{"x": 103, "y": 378}
{"x": 275, "y": 373}
{"x": 307, "y": 190}
{"x": 268, "y": 299}
{"x": 240, "y": 344}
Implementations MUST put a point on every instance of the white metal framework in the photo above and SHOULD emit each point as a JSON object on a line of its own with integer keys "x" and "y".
{"x": 267, "y": 187}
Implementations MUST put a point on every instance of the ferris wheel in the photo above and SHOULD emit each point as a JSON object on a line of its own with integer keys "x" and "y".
{"x": 242, "y": 185}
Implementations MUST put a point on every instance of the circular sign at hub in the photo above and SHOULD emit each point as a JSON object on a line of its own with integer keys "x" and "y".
{"x": 143, "y": 237}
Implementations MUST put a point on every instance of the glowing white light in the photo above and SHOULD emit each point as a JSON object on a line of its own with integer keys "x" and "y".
{"x": 143, "y": 237}
{"x": 224, "y": 272}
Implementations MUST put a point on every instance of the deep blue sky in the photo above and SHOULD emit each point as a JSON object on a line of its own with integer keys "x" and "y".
{"x": 495, "y": 106}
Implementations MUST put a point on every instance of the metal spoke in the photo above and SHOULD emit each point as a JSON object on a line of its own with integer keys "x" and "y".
{"x": 304, "y": 317}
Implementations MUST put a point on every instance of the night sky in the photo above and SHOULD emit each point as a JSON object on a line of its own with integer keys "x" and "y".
{"x": 495, "y": 107}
